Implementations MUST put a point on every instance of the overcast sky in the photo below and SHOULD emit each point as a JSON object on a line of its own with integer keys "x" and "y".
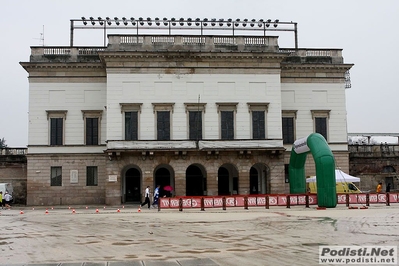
{"x": 366, "y": 31}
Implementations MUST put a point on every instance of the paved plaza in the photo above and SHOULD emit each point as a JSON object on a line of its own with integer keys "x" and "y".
{"x": 120, "y": 235}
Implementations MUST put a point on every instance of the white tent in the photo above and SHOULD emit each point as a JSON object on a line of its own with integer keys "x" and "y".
{"x": 339, "y": 177}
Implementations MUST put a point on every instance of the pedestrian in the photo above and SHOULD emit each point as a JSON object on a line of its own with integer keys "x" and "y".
{"x": 388, "y": 189}
{"x": 379, "y": 187}
{"x": 156, "y": 196}
{"x": 147, "y": 197}
{"x": 1, "y": 199}
{"x": 8, "y": 199}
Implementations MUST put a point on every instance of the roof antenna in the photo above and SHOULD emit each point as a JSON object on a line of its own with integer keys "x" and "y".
{"x": 41, "y": 39}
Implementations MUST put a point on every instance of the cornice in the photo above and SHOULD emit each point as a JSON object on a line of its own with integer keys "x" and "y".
{"x": 60, "y": 65}
{"x": 345, "y": 67}
{"x": 189, "y": 54}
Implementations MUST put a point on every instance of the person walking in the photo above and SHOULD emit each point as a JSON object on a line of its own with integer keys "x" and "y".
{"x": 156, "y": 196}
{"x": 8, "y": 199}
{"x": 388, "y": 189}
{"x": 147, "y": 197}
{"x": 1, "y": 199}
{"x": 379, "y": 187}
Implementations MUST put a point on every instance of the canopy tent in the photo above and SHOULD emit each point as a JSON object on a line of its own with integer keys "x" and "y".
{"x": 339, "y": 177}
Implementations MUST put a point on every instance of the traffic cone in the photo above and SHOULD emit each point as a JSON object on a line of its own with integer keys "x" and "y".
{"x": 33, "y": 209}
{"x": 123, "y": 206}
{"x": 139, "y": 210}
{"x": 69, "y": 207}
{"x": 73, "y": 211}
{"x": 52, "y": 208}
{"x": 87, "y": 207}
{"x": 118, "y": 210}
{"x": 104, "y": 207}
{"x": 21, "y": 212}
{"x": 46, "y": 211}
{"x": 97, "y": 211}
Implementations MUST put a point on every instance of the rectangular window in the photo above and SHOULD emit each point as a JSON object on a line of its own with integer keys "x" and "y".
{"x": 56, "y": 130}
{"x": 131, "y": 125}
{"x": 91, "y": 176}
{"x": 91, "y": 131}
{"x": 258, "y": 125}
{"x": 321, "y": 126}
{"x": 287, "y": 173}
{"x": 227, "y": 125}
{"x": 195, "y": 125}
{"x": 56, "y": 176}
{"x": 288, "y": 130}
{"x": 163, "y": 125}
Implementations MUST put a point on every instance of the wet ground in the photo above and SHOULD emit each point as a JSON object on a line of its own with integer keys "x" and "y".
{"x": 277, "y": 236}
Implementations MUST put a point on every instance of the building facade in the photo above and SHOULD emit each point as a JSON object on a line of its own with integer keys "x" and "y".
{"x": 204, "y": 114}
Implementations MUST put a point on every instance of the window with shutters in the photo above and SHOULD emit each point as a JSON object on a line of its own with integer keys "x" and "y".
{"x": 163, "y": 125}
{"x": 92, "y": 120}
{"x": 163, "y": 113}
{"x": 227, "y": 124}
{"x": 320, "y": 122}
{"x": 91, "y": 176}
{"x": 288, "y": 126}
{"x": 258, "y": 124}
{"x": 195, "y": 113}
{"x": 56, "y": 176}
{"x": 195, "y": 125}
{"x": 131, "y": 113}
{"x": 227, "y": 116}
{"x": 258, "y": 112}
{"x": 131, "y": 126}
{"x": 56, "y": 120}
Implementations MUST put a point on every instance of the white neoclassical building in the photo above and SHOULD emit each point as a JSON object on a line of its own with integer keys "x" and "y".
{"x": 208, "y": 114}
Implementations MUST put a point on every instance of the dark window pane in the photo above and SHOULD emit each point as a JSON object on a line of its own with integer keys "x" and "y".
{"x": 227, "y": 124}
{"x": 195, "y": 124}
{"x": 288, "y": 130}
{"x": 258, "y": 125}
{"x": 321, "y": 126}
{"x": 163, "y": 125}
{"x": 287, "y": 173}
{"x": 56, "y": 130}
{"x": 91, "y": 131}
{"x": 131, "y": 126}
{"x": 56, "y": 176}
{"x": 91, "y": 176}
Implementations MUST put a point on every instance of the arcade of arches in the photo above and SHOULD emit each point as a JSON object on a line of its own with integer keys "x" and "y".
{"x": 196, "y": 181}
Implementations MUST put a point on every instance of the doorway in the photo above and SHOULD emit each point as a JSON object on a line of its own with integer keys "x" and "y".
{"x": 195, "y": 181}
{"x": 132, "y": 186}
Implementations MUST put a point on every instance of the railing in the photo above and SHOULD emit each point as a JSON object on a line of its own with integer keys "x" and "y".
{"x": 377, "y": 150}
{"x": 269, "y": 200}
{"x": 13, "y": 151}
{"x": 208, "y": 43}
{"x": 203, "y": 42}
{"x": 40, "y": 51}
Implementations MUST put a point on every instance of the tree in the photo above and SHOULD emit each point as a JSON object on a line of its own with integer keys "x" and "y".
{"x": 3, "y": 143}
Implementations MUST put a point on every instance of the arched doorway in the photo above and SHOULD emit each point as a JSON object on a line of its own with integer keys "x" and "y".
{"x": 131, "y": 189}
{"x": 228, "y": 180}
{"x": 164, "y": 176}
{"x": 258, "y": 181}
{"x": 195, "y": 181}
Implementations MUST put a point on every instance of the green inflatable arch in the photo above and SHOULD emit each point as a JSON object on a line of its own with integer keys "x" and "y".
{"x": 325, "y": 169}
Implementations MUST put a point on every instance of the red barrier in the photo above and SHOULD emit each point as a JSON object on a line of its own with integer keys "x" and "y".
{"x": 267, "y": 200}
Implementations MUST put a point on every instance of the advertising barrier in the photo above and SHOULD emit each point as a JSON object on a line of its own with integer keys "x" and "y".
{"x": 269, "y": 200}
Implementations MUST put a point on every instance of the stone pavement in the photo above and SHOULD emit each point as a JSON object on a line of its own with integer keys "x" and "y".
{"x": 122, "y": 236}
{"x": 180, "y": 262}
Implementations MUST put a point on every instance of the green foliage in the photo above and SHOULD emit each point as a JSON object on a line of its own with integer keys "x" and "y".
{"x": 3, "y": 143}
